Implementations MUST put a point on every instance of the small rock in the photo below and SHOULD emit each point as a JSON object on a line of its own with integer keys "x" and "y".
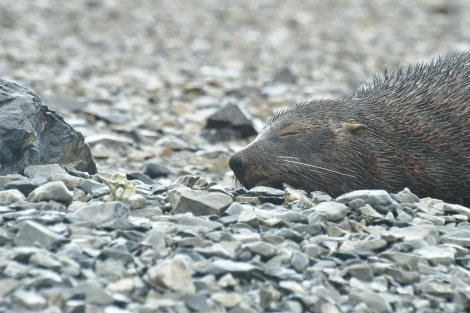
{"x": 333, "y": 211}
{"x": 285, "y": 75}
{"x": 374, "y": 302}
{"x": 32, "y": 234}
{"x": 56, "y": 191}
{"x": 299, "y": 261}
{"x": 173, "y": 274}
{"x": 139, "y": 176}
{"x": 10, "y": 196}
{"x": 100, "y": 212}
{"x": 199, "y": 202}
{"x": 361, "y": 271}
{"x": 154, "y": 170}
{"x": 29, "y": 300}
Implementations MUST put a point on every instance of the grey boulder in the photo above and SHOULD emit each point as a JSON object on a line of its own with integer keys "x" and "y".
{"x": 31, "y": 133}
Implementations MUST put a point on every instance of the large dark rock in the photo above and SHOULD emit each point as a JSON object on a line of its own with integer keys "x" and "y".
{"x": 230, "y": 122}
{"x": 32, "y": 134}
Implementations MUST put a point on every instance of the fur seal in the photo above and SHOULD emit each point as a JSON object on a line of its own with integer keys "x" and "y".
{"x": 409, "y": 127}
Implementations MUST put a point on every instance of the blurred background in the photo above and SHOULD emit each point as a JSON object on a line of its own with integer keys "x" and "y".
{"x": 140, "y": 78}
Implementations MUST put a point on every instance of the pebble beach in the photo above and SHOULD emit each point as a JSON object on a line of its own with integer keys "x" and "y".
{"x": 163, "y": 226}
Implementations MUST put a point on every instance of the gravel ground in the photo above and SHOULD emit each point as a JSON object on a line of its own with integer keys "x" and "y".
{"x": 139, "y": 79}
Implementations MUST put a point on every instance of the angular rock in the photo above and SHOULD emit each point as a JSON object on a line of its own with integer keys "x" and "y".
{"x": 333, "y": 211}
{"x": 26, "y": 185}
{"x": 100, "y": 212}
{"x": 32, "y": 234}
{"x": 380, "y": 200}
{"x": 199, "y": 202}
{"x": 173, "y": 274}
{"x": 299, "y": 261}
{"x": 441, "y": 254}
{"x": 31, "y": 133}
{"x": 417, "y": 236}
{"x": 231, "y": 122}
{"x": 56, "y": 191}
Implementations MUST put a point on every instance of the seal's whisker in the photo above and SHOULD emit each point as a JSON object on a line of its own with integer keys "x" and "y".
{"x": 317, "y": 167}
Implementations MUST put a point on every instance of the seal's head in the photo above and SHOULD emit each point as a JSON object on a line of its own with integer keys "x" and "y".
{"x": 310, "y": 146}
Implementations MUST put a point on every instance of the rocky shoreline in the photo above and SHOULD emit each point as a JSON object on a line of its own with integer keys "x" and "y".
{"x": 162, "y": 227}
{"x": 108, "y": 244}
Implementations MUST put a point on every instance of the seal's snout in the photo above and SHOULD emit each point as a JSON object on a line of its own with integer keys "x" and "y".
{"x": 235, "y": 164}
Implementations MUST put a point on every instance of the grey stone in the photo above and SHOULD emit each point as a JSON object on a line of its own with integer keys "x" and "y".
{"x": 374, "y": 301}
{"x": 402, "y": 276}
{"x": 198, "y": 222}
{"x": 299, "y": 261}
{"x": 29, "y": 300}
{"x": 459, "y": 237}
{"x": 135, "y": 202}
{"x": 234, "y": 209}
{"x": 173, "y": 274}
{"x": 231, "y": 117}
{"x": 33, "y": 134}
{"x": 333, "y": 211}
{"x": 44, "y": 171}
{"x": 441, "y": 254}
{"x": 363, "y": 246}
{"x": 405, "y": 196}
{"x": 199, "y": 202}
{"x": 26, "y": 185}
{"x": 140, "y": 177}
{"x": 10, "y": 196}
{"x": 361, "y": 271}
{"x": 284, "y": 75}
{"x": 56, "y": 191}
{"x": 218, "y": 267}
{"x": 100, "y": 212}
{"x": 264, "y": 249}
{"x": 7, "y": 285}
{"x": 437, "y": 289}
{"x": 32, "y": 234}
{"x": 154, "y": 170}
{"x": 380, "y": 200}
{"x": 94, "y": 293}
{"x": 417, "y": 236}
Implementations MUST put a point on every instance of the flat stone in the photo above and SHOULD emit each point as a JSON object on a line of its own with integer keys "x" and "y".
{"x": 441, "y": 254}
{"x": 380, "y": 200}
{"x": 26, "y": 185}
{"x": 199, "y": 202}
{"x": 374, "y": 301}
{"x": 264, "y": 249}
{"x": 333, "y": 211}
{"x": 417, "y": 236}
{"x": 56, "y": 191}
{"x": 32, "y": 234}
{"x": 361, "y": 271}
{"x": 199, "y": 222}
{"x": 402, "y": 276}
{"x": 94, "y": 293}
{"x": 173, "y": 274}
{"x": 29, "y": 300}
{"x": 218, "y": 267}
{"x": 100, "y": 212}
{"x": 44, "y": 171}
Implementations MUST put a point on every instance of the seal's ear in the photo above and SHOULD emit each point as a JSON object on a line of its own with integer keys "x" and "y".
{"x": 354, "y": 128}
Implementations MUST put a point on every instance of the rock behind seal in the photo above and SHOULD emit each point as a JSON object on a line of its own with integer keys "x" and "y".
{"x": 31, "y": 134}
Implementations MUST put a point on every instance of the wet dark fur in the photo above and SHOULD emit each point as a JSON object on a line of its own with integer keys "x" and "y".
{"x": 409, "y": 128}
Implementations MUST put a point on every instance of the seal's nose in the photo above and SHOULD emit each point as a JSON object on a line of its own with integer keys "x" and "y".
{"x": 235, "y": 163}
